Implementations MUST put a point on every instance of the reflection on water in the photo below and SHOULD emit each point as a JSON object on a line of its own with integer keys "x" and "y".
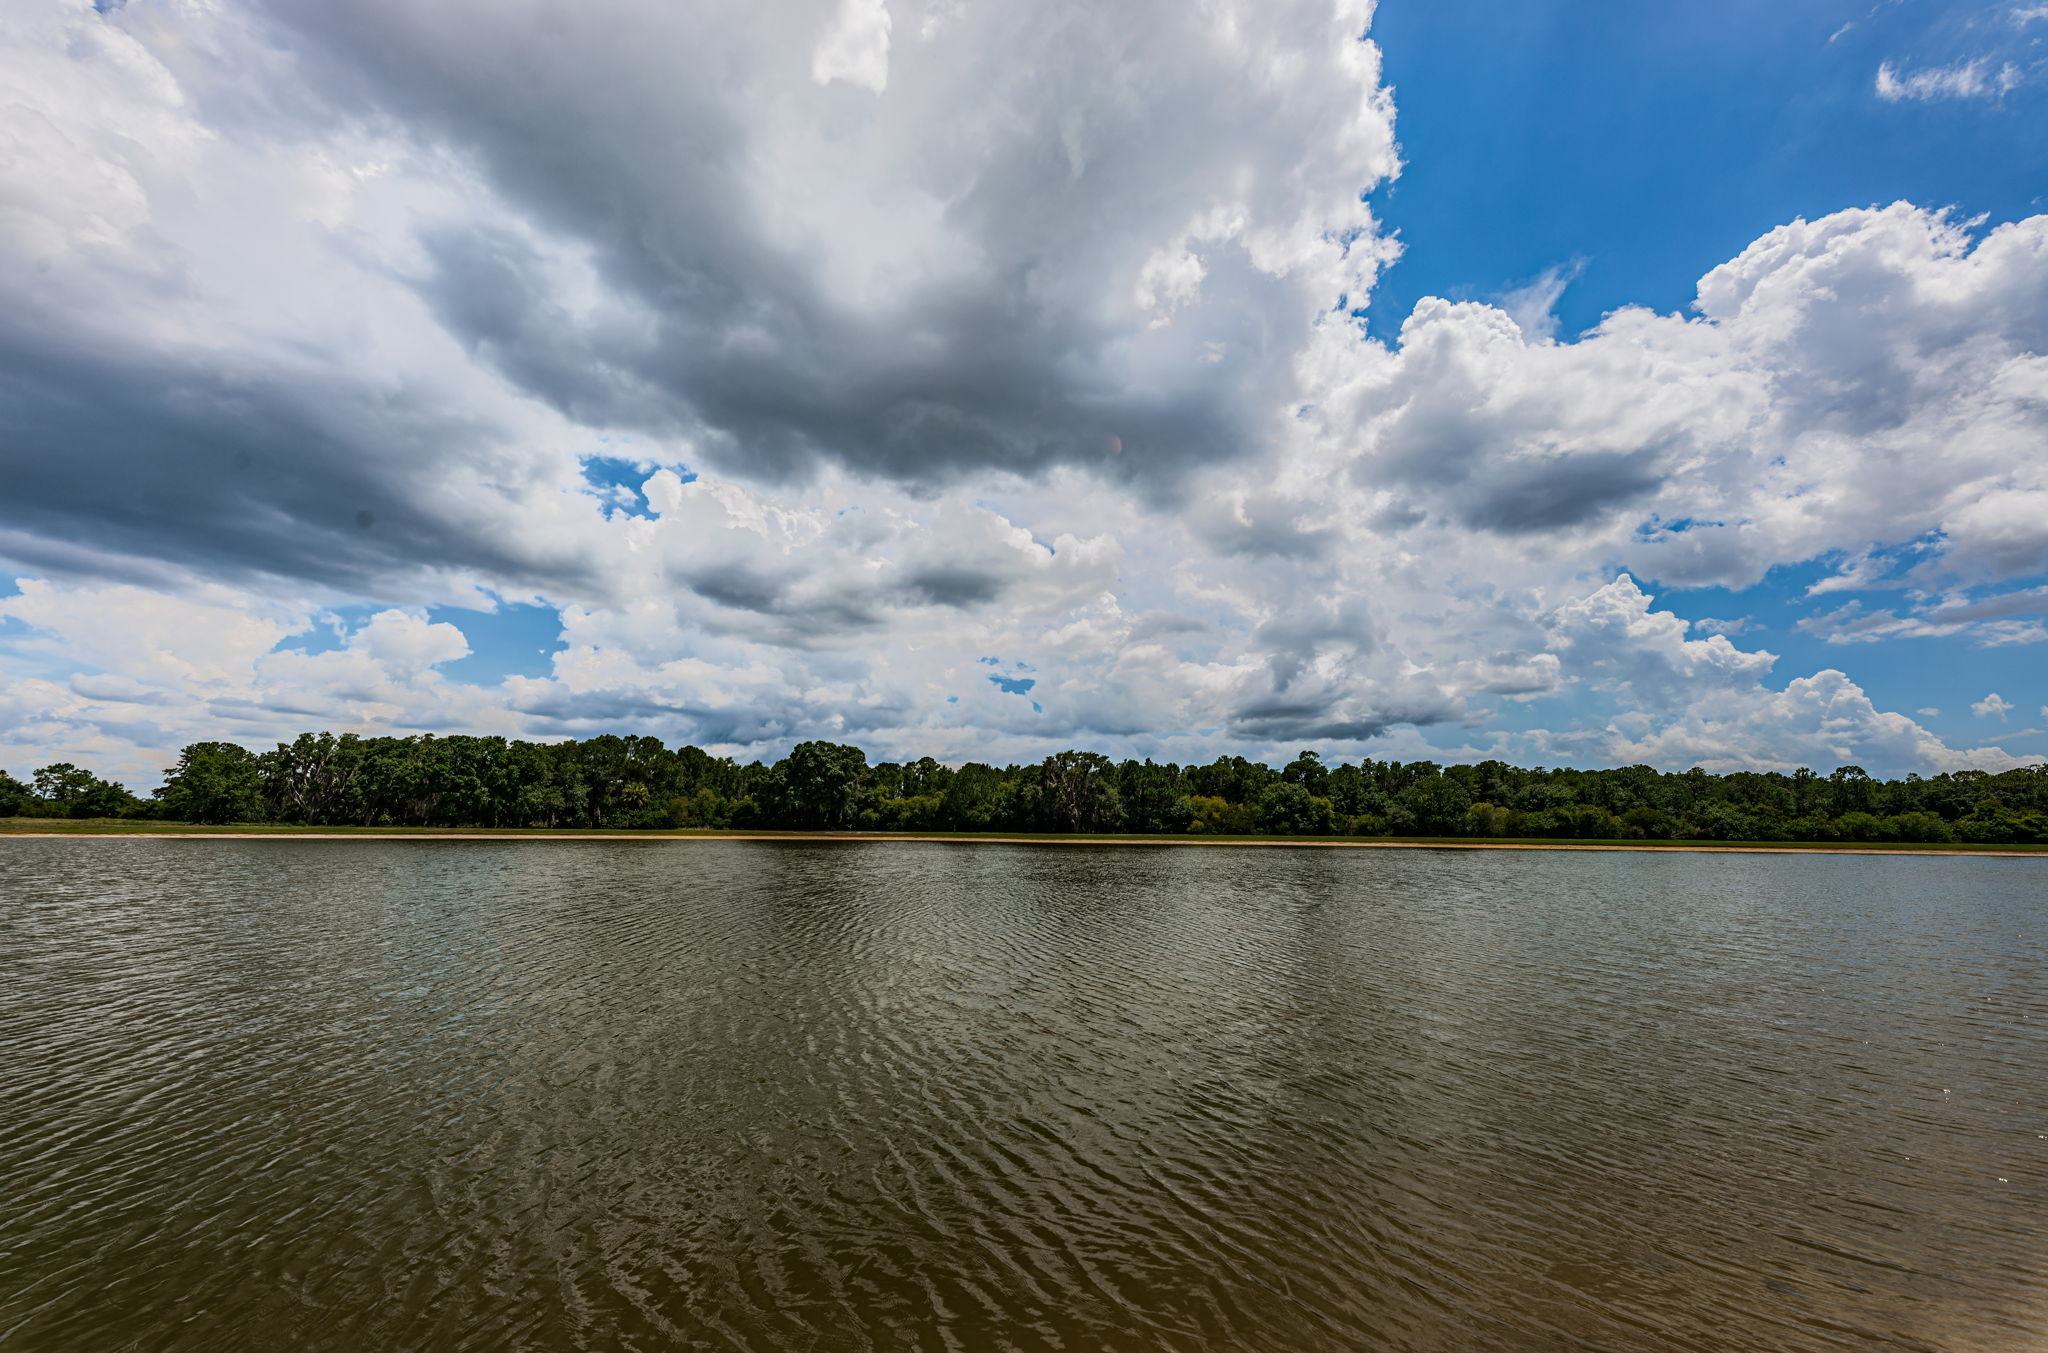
{"x": 406, "y": 1095}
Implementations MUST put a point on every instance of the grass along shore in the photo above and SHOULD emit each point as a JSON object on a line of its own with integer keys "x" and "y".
{"x": 134, "y": 829}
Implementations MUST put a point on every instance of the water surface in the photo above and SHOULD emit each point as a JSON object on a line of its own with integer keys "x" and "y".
{"x": 357, "y": 1095}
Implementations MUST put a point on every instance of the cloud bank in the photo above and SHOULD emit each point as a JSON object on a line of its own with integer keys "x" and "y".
{"x": 919, "y": 343}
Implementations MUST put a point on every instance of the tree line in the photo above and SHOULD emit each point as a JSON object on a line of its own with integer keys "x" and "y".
{"x": 325, "y": 779}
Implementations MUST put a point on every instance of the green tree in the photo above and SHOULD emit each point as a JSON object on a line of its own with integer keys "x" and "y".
{"x": 974, "y": 800}
{"x": 1076, "y": 792}
{"x": 1725, "y": 822}
{"x": 1210, "y": 816}
{"x": 1852, "y": 789}
{"x": 1154, "y": 797}
{"x": 819, "y": 787}
{"x": 1993, "y": 823}
{"x": 315, "y": 779}
{"x": 1308, "y": 771}
{"x": 1350, "y": 792}
{"x": 214, "y": 782}
{"x": 1652, "y": 823}
{"x": 1589, "y": 822}
{"x": 1288, "y": 809}
{"x": 66, "y": 790}
{"x": 1231, "y": 778}
{"x": 14, "y": 795}
{"x": 59, "y": 783}
{"x": 705, "y": 808}
{"x": 1438, "y": 805}
{"x": 1919, "y": 826}
{"x": 925, "y": 776}
{"x": 636, "y": 781}
{"x": 1486, "y": 819}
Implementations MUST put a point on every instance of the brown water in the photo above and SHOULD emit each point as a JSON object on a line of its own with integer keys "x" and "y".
{"x": 547, "y": 1095}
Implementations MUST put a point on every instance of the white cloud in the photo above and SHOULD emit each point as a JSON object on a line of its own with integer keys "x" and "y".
{"x": 1644, "y": 653}
{"x": 856, "y": 48}
{"x": 1868, "y": 379}
{"x": 1850, "y": 623}
{"x": 1978, "y": 79}
{"x": 149, "y": 671}
{"x": 1818, "y": 720}
{"x": 200, "y": 637}
{"x": 1034, "y": 344}
{"x": 1992, "y": 706}
{"x": 1677, "y": 701}
{"x": 1170, "y": 279}
{"x": 1533, "y": 305}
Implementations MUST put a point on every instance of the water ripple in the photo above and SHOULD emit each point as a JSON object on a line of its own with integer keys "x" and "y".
{"x": 469, "y": 1095}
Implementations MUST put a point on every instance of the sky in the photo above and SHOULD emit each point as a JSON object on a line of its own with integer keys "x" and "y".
{"x": 1571, "y": 383}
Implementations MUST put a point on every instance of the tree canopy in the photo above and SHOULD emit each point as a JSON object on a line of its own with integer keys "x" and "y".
{"x": 328, "y": 779}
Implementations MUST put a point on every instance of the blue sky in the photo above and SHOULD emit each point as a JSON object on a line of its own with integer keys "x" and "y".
{"x": 1629, "y": 148}
{"x": 1635, "y": 146}
{"x": 739, "y": 377}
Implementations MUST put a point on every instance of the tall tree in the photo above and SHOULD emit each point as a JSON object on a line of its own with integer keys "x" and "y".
{"x": 819, "y": 786}
{"x": 1076, "y": 792}
{"x": 214, "y": 782}
{"x": 66, "y": 790}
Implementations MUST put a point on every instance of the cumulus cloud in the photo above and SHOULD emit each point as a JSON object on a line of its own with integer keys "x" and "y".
{"x": 1992, "y": 706}
{"x": 1621, "y": 642}
{"x": 939, "y": 278}
{"x": 1817, "y": 720}
{"x": 1679, "y": 701}
{"x": 908, "y": 334}
{"x": 438, "y": 245}
{"x": 1869, "y": 378}
{"x": 118, "y": 675}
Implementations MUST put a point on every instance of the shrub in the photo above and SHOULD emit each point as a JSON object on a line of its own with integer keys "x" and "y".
{"x": 1218, "y": 817}
{"x": 1919, "y": 827}
{"x": 1486, "y": 819}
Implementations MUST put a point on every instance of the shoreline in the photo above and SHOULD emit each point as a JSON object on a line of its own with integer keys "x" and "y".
{"x": 879, "y": 838}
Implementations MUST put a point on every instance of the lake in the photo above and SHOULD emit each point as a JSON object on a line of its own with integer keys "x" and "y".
{"x": 358, "y": 1095}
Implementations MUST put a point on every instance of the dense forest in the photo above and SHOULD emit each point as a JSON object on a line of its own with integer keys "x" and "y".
{"x": 321, "y": 779}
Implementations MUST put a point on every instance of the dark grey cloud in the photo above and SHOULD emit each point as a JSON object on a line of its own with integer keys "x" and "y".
{"x": 649, "y": 219}
{"x": 487, "y": 287}
{"x": 1263, "y": 526}
{"x": 1051, "y": 151}
{"x": 954, "y": 585}
{"x": 233, "y": 471}
{"x": 1527, "y": 496}
{"x": 1450, "y": 455}
{"x": 739, "y": 587}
